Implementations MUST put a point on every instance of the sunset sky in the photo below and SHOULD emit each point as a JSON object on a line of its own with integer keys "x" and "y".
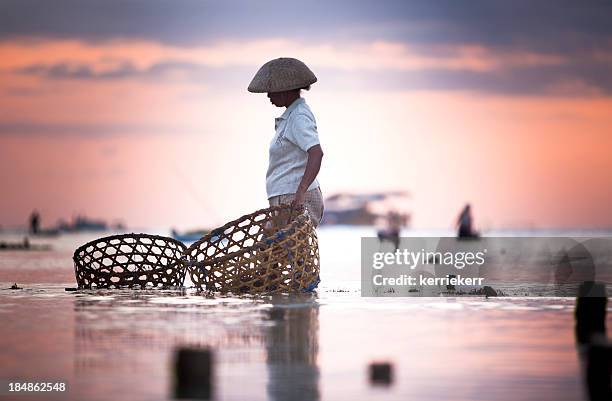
{"x": 137, "y": 111}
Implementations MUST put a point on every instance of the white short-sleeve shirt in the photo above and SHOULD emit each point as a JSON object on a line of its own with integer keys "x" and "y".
{"x": 296, "y": 132}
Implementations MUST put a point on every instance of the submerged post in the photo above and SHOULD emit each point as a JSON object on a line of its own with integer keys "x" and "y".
{"x": 381, "y": 373}
{"x": 594, "y": 350}
{"x": 598, "y": 371}
{"x": 590, "y": 311}
{"x": 193, "y": 374}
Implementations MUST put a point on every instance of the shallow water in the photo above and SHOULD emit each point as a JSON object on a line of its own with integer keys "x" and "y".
{"x": 111, "y": 345}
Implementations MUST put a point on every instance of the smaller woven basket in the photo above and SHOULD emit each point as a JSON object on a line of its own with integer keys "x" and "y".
{"x": 269, "y": 251}
{"x": 130, "y": 261}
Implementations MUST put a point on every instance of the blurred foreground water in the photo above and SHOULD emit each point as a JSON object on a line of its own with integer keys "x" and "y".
{"x": 111, "y": 345}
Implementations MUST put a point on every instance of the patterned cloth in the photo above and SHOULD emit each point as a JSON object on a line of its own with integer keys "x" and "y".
{"x": 313, "y": 202}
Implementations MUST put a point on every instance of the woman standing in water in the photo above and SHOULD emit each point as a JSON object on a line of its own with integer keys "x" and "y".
{"x": 295, "y": 150}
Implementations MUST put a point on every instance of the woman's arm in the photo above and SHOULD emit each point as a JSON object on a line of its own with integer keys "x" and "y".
{"x": 313, "y": 165}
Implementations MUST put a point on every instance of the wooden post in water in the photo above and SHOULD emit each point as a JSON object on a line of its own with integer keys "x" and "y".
{"x": 193, "y": 373}
{"x": 598, "y": 372}
{"x": 590, "y": 311}
{"x": 381, "y": 373}
{"x": 591, "y": 336}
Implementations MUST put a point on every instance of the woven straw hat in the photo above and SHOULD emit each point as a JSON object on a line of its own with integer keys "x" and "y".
{"x": 282, "y": 74}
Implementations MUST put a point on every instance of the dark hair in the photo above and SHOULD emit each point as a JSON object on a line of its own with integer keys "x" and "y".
{"x": 307, "y": 88}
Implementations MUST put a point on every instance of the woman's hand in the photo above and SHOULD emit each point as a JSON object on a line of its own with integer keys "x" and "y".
{"x": 300, "y": 196}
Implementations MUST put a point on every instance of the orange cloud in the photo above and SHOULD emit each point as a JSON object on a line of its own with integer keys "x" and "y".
{"x": 378, "y": 55}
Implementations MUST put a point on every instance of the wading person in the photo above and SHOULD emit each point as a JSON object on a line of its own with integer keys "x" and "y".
{"x": 464, "y": 223}
{"x": 295, "y": 152}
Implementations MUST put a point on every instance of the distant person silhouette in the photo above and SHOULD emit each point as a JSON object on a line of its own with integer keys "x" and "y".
{"x": 464, "y": 223}
{"x": 34, "y": 222}
{"x": 392, "y": 231}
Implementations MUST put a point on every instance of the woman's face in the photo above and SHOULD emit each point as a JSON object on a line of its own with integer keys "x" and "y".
{"x": 283, "y": 99}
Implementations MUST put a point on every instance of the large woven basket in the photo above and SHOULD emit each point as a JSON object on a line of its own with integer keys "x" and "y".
{"x": 130, "y": 261}
{"x": 271, "y": 250}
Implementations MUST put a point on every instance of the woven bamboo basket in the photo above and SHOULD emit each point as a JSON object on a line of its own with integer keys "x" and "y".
{"x": 269, "y": 251}
{"x": 130, "y": 261}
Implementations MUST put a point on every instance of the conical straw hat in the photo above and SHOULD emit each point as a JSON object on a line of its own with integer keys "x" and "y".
{"x": 282, "y": 74}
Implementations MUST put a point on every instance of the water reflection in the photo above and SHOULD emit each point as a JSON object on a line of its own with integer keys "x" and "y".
{"x": 117, "y": 330}
{"x": 116, "y": 345}
{"x": 292, "y": 346}
{"x": 117, "y": 333}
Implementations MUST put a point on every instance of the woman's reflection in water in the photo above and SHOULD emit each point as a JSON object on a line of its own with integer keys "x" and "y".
{"x": 292, "y": 344}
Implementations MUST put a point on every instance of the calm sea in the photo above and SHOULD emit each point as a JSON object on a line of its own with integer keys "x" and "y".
{"x": 112, "y": 345}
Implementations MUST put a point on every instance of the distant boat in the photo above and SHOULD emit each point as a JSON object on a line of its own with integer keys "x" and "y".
{"x": 189, "y": 236}
{"x": 365, "y": 208}
{"x": 77, "y": 224}
{"x": 82, "y": 223}
{"x": 24, "y": 245}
